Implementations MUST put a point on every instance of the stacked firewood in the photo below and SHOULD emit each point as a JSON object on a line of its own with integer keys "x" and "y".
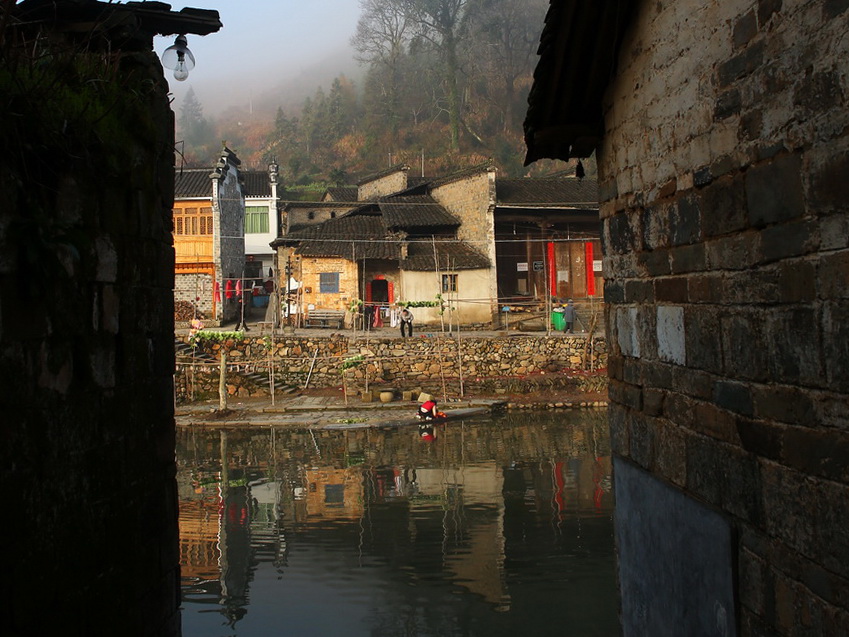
{"x": 186, "y": 311}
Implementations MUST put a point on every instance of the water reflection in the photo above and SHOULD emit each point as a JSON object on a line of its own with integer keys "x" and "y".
{"x": 499, "y": 526}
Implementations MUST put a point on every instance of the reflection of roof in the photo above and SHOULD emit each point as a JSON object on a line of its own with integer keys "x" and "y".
{"x": 415, "y": 212}
{"x": 193, "y": 182}
{"x": 452, "y": 255}
{"x": 564, "y": 192}
{"x": 256, "y": 183}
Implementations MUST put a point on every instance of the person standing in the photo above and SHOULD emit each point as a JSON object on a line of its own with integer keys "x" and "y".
{"x": 568, "y": 316}
{"x": 406, "y": 318}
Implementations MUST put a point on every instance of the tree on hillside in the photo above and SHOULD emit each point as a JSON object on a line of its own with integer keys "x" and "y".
{"x": 444, "y": 23}
{"x": 194, "y": 128}
{"x": 504, "y": 39}
{"x": 382, "y": 33}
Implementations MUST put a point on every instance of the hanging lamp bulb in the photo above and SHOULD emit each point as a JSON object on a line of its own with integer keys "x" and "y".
{"x": 178, "y": 58}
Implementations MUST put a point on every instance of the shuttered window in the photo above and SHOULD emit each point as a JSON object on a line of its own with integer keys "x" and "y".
{"x": 328, "y": 283}
{"x": 192, "y": 221}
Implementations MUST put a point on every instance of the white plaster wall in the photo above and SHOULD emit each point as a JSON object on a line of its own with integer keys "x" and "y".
{"x": 471, "y": 302}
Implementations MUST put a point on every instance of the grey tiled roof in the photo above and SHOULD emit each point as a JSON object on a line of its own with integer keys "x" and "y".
{"x": 351, "y": 237}
{"x": 420, "y": 211}
{"x": 342, "y": 193}
{"x": 192, "y": 182}
{"x": 256, "y": 183}
{"x": 452, "y": 255}
{"x": 567, "y": 192}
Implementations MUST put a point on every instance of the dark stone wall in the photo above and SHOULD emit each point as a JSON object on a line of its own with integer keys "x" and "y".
{"x": 726, "y": 236}
{"x": 89, "y": 535}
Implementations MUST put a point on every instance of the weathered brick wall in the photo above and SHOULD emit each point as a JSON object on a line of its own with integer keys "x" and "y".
{"x": 195, "y": 288}
{"x": 472, "y": 200}
{"x": 406, "y": 364}
{"x": 89, "y": 540}
{"x": 383, "y": 186}
{"x": 308, "y": 273}
{"x": 726, "y": 234}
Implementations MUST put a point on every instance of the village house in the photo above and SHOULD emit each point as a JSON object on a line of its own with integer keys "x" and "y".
{"x": 209, "y": 245}
{"x": 455, "y": 248}
{"x": 209, "y": 263}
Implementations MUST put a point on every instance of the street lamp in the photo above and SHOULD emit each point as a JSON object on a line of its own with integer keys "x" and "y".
{"x": 179, "y": 58}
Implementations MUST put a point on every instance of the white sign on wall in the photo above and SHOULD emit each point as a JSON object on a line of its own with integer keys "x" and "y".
{"x": 563, "y": 276}
{"x": 597, "y": 265}
{"x": 521, "y": 267}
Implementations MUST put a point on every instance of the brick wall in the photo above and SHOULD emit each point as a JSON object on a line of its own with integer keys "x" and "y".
{"x": 472, "y": 200}
{"x": 196, "y": 288}
{"x": 723, "y": 178}
{"x": 89, "y": 540}
{"x": 308, "y": 271}
{"x": 386, "y": 185}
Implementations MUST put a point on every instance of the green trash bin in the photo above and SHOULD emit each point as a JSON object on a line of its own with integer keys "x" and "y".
{"x": 558, "y": 321}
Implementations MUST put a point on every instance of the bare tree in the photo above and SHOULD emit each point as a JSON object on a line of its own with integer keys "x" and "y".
{"x": 444, "y": 24}
{"x": 382, "y": 34}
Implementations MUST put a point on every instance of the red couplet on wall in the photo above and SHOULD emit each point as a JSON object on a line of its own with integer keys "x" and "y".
{"x": 552, "y": 269}
{"x": 590, "y": 270}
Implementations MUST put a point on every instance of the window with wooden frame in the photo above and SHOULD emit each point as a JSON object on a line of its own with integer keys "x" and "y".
{"x": 193, "y": 221}
{"x": 449, "y": 283}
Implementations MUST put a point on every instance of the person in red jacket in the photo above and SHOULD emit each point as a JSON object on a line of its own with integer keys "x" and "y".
{"x": 428, "y": 411}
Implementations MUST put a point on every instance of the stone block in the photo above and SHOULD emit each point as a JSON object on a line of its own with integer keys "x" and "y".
{"x": 642, "y": 439}
{"x": 710, "y": 420}
{"x": 671, "y": 289}
{"x": 834, "y": 276}
{"x": 620, "y": 232}
{"x": 745, "y": 28}
{"x": 796, "y": 351}
{"x": 723, "y": 207}
{"x": 797, "y": 281}
{"x": 703, "y": 338}
{"x": 834, "y": 232}
{"x": 783, "y": 404}
{"x": 693, "y": 382}
{"x": 790, "y": 508}
{"x": 736, "y": 252}
{"x": 676, "y": 559}
{"x": 727, "y": 104}
{"x": 789, "y": 240}
{"x": 685, "y": 222}
{"x": 741, "y": 479}
{"x": 617, "y": 417}
{"x": 627, "y": 335}
{"x": 671, "y": 334}
{"x": 638, "y": 292}
{"x": 408, "y": 396}
{"x": 705, "y": 288}
{"x": 823, "y": 453}
{"x": 367, "y": 396}
{"x": 744, "y": 347}
{"x": 829, "y": 188}
{"x": 760, "y": 438}
{"x": 658, "y": 375}
{"x": 689, "y": 258}
{"x": 654, "y": 262}
{"x": 742, "y": 64}
{"x": 733, "y": 396}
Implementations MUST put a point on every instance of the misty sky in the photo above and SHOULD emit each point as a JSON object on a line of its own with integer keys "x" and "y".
{"x": 263, "y": 44}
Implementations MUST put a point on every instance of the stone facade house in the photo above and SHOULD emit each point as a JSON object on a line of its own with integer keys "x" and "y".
{"x": 468, "y": 238}
{"x": 209, "y": 246}
{"x": 722, "y": 138}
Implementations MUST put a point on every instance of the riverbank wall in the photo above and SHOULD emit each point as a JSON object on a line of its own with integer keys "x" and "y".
{"x": 444, "y": 365}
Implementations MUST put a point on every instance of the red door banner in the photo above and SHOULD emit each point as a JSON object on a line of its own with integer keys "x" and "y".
{"x": 552, "y": 270}
{"x": 590, "y": 270}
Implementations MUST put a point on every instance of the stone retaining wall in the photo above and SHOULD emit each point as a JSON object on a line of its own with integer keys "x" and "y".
{"x": 403, "y": 364}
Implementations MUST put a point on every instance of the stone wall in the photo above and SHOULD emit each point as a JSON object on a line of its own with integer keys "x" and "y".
{"x": 401, "y": 363}
{"x": 723, "y": 178}
{"x": 228, "y": 247}
{"x": 89, "y": 542}
{"x": 389, "y": 183}
{"x": 195, "y": 288}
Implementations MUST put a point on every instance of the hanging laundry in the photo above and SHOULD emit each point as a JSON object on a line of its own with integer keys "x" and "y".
{"x": 239, "y": 288}
{"x": 216, "y": 295}
{"x": 228, "y": 289}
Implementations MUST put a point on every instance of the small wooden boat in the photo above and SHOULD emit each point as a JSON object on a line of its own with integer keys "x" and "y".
{"x": 450, "y": 416}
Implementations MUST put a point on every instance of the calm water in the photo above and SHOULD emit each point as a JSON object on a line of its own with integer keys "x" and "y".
{"x": 500, "y": 526}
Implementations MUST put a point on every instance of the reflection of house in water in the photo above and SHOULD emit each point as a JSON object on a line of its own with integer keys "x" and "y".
{"x": 334, "y": 493}
{"x": 476, "y": 561}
